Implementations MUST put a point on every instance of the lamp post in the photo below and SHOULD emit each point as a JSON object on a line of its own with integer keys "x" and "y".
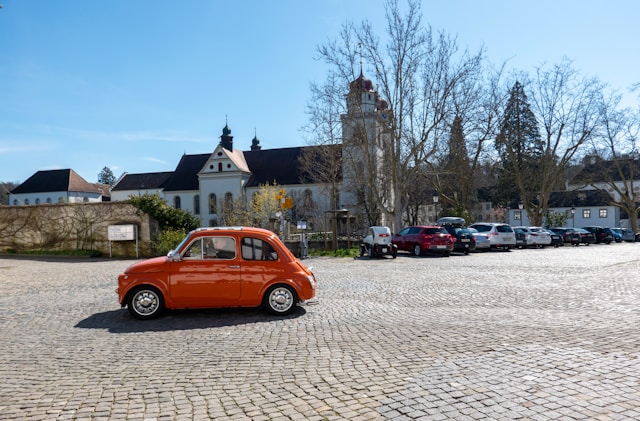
{"x": 573, "y": 219}
{"x": 435, "y": 203}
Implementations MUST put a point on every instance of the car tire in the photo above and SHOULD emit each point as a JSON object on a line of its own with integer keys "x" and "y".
{"x": 371, "y": 252}
{"x": 362, "y": 250}
{"x": 145, "y": 302}
{"x": 417, "y": 250}
{"x": 280, "y": 300}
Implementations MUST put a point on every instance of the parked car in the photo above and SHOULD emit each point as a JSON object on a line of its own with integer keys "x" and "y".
{"x": 464, "y": 239}
{"x": 556, "y": 239}
{"x": 421, "y": 239}
{"x": 219, "y": 267}
{"x": 535, "y": 236}
{"x": 482, "y": 239}
{"x": 569, "y": 235}
{"x": 377, "y": 243}
{"x": 617, "y": 235}
{"x": 521, "y": 238}
{"x": 629, "y": 235}
{"x": 586, "y": 237}
{"x": 501, "y": 235}
{"x": 602, "y": 235}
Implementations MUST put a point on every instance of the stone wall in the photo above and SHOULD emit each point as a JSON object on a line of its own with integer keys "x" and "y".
{"x": 82, "y": 226}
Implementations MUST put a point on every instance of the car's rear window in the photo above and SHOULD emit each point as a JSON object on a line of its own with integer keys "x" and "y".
{"x": 503, "y": 228}
{"x": 482, "y": 228}
{"x": 434, "y": 230}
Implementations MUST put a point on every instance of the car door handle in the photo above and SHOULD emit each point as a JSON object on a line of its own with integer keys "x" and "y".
{"x": 234, "y": 267}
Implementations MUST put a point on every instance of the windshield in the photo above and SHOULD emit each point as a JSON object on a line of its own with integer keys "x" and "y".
{"x": 173, "y": 252}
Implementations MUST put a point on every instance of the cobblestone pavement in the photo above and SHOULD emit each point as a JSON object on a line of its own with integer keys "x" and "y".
{"x": 527, "y": 334}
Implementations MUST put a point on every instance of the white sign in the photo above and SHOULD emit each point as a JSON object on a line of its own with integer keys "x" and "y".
{"x": 122, "y": 232}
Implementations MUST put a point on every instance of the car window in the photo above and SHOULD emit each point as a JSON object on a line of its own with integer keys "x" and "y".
{"x": 404, "y": 231}
{"x": 194, "y": 251}
{"x": 434, "y": 230}
{"x": 482, "y": 228}
{"x": 219, "y": 247}
{"x": 257, "y": 249}
{"x": 503, "y": 228}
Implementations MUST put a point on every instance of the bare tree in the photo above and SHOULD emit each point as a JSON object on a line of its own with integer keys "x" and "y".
{"x": 322, "y": 161}
{"x": 417, "y": 72}
{"x": 616, "y": 157}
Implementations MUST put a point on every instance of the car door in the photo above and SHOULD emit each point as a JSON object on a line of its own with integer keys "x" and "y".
{"x": 402, "y": 240}
{"x": 206, "y": 276}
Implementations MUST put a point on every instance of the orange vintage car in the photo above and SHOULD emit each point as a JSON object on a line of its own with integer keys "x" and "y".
{"x": 219, "y": 267}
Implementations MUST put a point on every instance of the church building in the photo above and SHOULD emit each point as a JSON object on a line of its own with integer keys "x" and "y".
{"x": 202, "y": 182}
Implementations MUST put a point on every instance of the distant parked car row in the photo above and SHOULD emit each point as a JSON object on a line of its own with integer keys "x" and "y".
{"x": 451, "y": 235}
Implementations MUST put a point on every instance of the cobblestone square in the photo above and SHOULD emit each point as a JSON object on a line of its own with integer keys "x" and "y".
{"x": 535, "y": 334}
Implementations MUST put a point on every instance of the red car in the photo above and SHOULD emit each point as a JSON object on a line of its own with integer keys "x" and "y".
{"x": 421, "y": 239}
{"x": 219, "y": 267}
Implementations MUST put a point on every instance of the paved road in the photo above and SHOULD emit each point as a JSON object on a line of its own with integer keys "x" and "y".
{"x": 527, "y": 334}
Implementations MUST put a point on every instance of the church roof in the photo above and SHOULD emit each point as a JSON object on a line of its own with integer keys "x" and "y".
{"x": 59, "y": 180}
{"x": 153, "y": 180}
{"x": 185, "y": 177}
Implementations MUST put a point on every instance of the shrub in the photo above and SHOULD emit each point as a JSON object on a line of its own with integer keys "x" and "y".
{"x": 167, "y": 240}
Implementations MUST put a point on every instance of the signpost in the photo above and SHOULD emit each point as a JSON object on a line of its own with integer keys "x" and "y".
{"x": 123, "y": 233}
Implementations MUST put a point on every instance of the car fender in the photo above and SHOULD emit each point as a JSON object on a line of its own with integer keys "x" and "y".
{"x": 156, "y": 283}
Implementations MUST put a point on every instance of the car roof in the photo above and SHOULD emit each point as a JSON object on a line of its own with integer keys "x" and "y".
{"x": 451, "y": 220}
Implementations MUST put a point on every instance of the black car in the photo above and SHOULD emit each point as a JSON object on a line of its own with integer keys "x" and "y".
{"x": 569, "y": 235}
{"x": 556, "y": 239}
{"x": 602, "y": 235}
{"x": 464, "y": 238}
{"x": 586, "y": 237}
{"x": 521, "y": 238}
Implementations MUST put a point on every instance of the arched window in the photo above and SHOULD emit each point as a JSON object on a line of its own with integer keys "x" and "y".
{"x": 213, "y": 207}
{"x": 26, "y": 201}
{"x": 228, "y": 199}
{"x": 176, "y": 202}
{"x": 38, "y": 201}
{"x": 219, "y": 166}
{"x": 48, "y": 200}
{"x": 15, "y": 202}
{"x": 196, "y": 205}
{"x": 85, "y": 199}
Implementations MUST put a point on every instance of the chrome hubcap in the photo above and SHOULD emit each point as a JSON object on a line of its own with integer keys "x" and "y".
{"x": 281, "y": 299}
{"x": 145, "y": 302}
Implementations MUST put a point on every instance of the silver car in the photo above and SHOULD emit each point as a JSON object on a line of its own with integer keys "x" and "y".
{"x": 501, "y": 236}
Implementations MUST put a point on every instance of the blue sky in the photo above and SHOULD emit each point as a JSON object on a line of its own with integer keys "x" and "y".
{"x": 134, "y": 84}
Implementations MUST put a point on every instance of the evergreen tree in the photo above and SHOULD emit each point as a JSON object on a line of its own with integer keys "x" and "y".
{"x": 106, "y": 177}
{"x": 521, "y": 150}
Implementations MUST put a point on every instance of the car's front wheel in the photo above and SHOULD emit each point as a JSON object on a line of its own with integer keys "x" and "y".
{"x": 417, "y": 250}
{"x": 145, "y": 302}
{"x": 280, "y": 300}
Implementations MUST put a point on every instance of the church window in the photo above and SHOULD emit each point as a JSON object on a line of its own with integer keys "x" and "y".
{"x": 26, "y": 201}
{"x": 219, "y": 166}
{"x": 213, "y": 207}
{"x": 48, "y": 200}
{"x": 228, "y": 198}
{"x": 196, "y": 204}
{"x": 38, "y": 201}
{"x": 15, "y": 202}
{"x": 176, "y": 202}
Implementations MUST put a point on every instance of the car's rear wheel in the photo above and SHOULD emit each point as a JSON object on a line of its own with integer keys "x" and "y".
{"x": 145, "y": 302}
{"x": 362, "y": 250}
{"x": 280, "y": 300}
{"x": 417, "y": 250}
